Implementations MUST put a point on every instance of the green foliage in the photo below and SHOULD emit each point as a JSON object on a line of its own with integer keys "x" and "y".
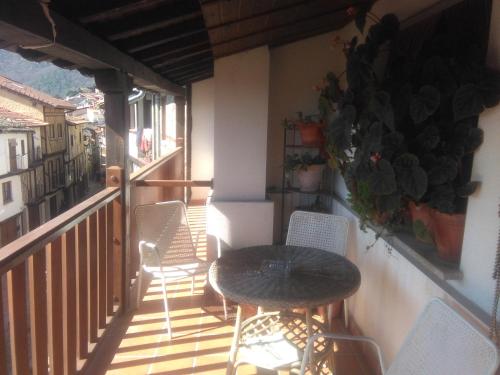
{"x": 424, "y": 103}
{"x": 42, "y": 76}
{"x": 296, "y": 161}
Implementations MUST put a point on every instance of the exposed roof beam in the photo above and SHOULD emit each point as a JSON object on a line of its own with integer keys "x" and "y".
{"x": 173, "y": 53}
{"x": 190, "y": 60}
{"x": 185, "y": 56}
{"x": 121, "y": 11}
{"x": 25, "y": 24}
{"x": 284, "y": 25}
{"x": 172, "y": 46}
{"x": 193, "y": 74}
{"x": 155, "y": 38}
{"x": 186, "y": 65}
{"x": 180, "y": 72}
{"x": 274, "y": 10}
{"x": 196, "y": 78}
{"x": 155, "y": 26}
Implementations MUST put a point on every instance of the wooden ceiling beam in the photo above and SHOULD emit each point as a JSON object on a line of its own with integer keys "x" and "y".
{"x": 194, "y": 69}
{"x": 121, "y": 11}
{"x": 25, "y": 24}
{"x": 192, "y": 74}
{"x": 205, "y": 52}
{"x": 274, "y": 10}
{"x": 176, "y": 52}
{"x": 155, "y": 38}
{"x": 175, "y": 45}
{"x": 182, "y": 55}
{"x": 196, "y": 78}
{"x": 154, "y": 26}
{"x": 285, "y": 25}
{"x": 186, "y": 65}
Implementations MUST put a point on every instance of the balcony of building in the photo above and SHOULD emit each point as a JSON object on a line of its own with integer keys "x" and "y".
{"x": 69, "y": 287}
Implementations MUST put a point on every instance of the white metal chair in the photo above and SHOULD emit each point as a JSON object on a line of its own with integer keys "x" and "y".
{"x": 321, "y": 231}
{"x": 166, "y": 247}
{"x": 440, "y": 343}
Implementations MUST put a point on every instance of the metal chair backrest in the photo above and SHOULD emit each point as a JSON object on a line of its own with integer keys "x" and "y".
{"x": 165, "y": 225}
{"x": 443, "y": 342}
{"x": 321, "y": 231}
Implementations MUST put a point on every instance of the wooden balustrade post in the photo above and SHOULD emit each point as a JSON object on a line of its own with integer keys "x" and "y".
{"x": 116, "y": 87}
{"x": 121, "y": 254}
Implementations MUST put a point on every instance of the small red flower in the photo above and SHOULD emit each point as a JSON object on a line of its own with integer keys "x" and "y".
{"x": 376, "y": 157}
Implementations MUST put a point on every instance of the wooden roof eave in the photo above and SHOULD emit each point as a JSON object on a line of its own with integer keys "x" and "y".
{"x": 25, "y": 24}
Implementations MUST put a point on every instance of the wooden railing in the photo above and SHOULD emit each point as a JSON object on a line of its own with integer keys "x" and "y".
{"x": 63, "y": 284}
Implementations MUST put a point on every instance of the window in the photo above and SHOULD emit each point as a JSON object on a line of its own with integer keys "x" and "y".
{"x": 59, "y": 130}
{"x": 23, "y": 151}
{"x": 52, "y": 133}
{"x": 148, "y": 119}
{"x": 72, "y": 139}
{"x": 7, "y": 192}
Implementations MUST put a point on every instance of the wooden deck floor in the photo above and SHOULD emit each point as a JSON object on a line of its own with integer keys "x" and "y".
{"x": 202, "y": 338}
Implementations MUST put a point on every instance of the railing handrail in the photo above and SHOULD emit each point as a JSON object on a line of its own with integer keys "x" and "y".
{"x": 20, "y": 249}
{"x": 154, "y": 165}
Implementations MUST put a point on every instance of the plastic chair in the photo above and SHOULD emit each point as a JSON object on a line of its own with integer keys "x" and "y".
{"x": 166, "y": 247}
{"x": 321, "y": 231}
{"x": 440, "y": 343}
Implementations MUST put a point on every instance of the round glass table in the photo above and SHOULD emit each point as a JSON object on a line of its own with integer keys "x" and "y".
{"x": 278, "y": 277}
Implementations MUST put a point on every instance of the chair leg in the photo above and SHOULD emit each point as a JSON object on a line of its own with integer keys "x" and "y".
{"x": 346, "y": 314}
{"x": 139, "y": 289}
{"x": 235, "y": 343}
{"x": 165, "y": 303}
{"x": 329, "y": 316}
{"x": 224, "y": 306}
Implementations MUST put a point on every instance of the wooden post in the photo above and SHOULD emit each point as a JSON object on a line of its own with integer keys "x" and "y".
{"x": 189, "y": 131}
{"x": 180, "y": 134}
{"x": 116, "y": 87}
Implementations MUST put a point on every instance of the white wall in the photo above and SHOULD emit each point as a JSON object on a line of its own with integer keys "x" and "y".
{"x": 4, "y": 150}
{"x": 241, "y": 86}
{"x": 16, "y": 206}
{"x": 202, "y": 136}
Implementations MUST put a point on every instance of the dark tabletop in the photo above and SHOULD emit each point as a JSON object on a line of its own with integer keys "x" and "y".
{"x": 282, "y": 277}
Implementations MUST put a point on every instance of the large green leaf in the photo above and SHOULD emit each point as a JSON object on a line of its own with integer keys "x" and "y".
{"x": 389, "y": 203}
{"x": 444, "y": 170}
{"x": 382, "y": 179}
{"x": 467, "y": 102}
{"x": 340, "y": 128}
{"x": 435, "y": 72}
{"x": 442, "y": 198}
{"x": 360, "y": 19}
{"x": 467, "y": 189}
{"x": 473, "y": 140}
{"x": 381, "y": 106}
{"x": 424, "y": 104}
{"x": 410, "y": 176}
{"x": 390, "y": 26}
{"x": 489, "y": 86}
{"x": 429, "y": 138}
{"x": 358, "y": 72}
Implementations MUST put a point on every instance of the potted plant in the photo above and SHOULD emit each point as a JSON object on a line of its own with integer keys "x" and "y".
{"x": 311, "y": 130}
{"x": 309, "y": 170}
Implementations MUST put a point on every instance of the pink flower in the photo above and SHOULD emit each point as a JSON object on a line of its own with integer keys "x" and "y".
{"x": 351, "y": 11}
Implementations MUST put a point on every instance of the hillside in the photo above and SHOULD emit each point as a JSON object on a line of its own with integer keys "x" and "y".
{"x": 43, "y": 76}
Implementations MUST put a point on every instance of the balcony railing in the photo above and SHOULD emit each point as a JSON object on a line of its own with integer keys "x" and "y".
{"x": 68, "y": 280}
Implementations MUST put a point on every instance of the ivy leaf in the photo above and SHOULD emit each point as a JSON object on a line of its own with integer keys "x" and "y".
{"x": 381, "y": 106}
{"x": 467, "y": 102}
{"x": 424, "y": 104}
{"x": 382, "y": 180}
{"x": 445, "y": 170}
{"x": 468, "y": 189}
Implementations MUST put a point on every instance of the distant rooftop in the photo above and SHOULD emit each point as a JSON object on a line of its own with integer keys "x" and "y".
{"x": 10, "y": 119}
{"x": 34, "y": 94}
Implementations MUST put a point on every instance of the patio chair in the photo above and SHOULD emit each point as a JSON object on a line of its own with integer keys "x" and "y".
{"x": 440, "y": 343}
{"x": 275, "y": 341}
{"x": 321, "y": 231}
{"x": 166, "y": 248}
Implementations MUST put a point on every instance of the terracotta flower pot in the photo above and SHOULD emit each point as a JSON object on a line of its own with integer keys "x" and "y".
{"x": 422, "y": 222}
{"x": 311, "y": 133}
{"x": 310, "y": 178}
{"x": 448, "y": 234}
